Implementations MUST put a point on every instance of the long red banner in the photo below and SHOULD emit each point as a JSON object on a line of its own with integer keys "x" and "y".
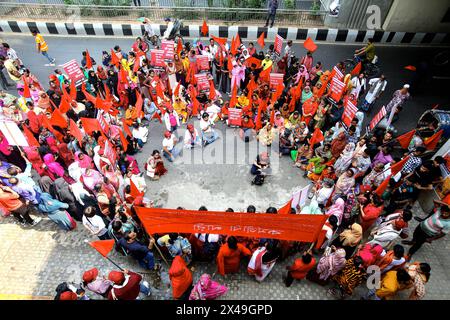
{"x": 299, "y": 227}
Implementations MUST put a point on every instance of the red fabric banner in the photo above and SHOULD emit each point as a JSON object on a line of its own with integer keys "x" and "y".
{"x": 295, "y": 227}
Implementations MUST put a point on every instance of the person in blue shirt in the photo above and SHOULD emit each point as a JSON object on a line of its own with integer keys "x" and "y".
{"x": 138, "y": 251}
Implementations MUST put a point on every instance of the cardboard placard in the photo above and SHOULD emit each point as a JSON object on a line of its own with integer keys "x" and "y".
{"x": 278, "y": 45}
{"x": 235, "y": 117}
{"x": 13, "y": 134}
{"x": 337, "y": 89}
{"x": 276, "y": 79}
{"x": 202, "y": 63}
{"x": 168, "y": 46}
{"x": 157, "y": 58}
{"x": 73, "y": 71}
{"x": 380, "y": 115}
{"x": 203, "y": 84}
{"x": 349, "y": 113}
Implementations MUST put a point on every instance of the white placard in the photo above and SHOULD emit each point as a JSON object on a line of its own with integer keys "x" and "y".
{"x": 299, "y": 197}
{"x": 12, "y": 133}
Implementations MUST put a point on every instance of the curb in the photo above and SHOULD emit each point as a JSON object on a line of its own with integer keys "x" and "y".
{"x": 246, "y": 32}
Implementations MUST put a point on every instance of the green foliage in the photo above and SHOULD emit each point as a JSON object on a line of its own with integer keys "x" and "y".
{"x": 289, "y": 4}
{"x": 315, "y": 6}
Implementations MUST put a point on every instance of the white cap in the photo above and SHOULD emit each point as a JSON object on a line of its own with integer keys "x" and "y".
{"x": 406, "y": 86}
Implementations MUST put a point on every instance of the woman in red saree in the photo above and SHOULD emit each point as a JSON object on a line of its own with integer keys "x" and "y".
{"x": 229, "y": 256}
{"x": 309, "y": 109}
{"x": 180, "y": 278}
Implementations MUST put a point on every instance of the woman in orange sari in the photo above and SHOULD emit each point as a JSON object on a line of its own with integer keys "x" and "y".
{"x": 229, "y": 256}
{"x": 180, "y": 278}
{"x": 309, "y": 109}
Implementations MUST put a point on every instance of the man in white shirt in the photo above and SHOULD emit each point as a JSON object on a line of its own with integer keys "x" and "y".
{"x": 170, "y": 148}
{"x": 209, "y": 135}
{"x": 95, "y": 223}
{"x": 376, "y": 89}
{"x": 140, "y": 133}
{"x": 191, "y": 137}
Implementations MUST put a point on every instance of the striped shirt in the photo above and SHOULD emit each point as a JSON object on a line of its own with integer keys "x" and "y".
{"x": 40, "y": 39}
{"x": 436, "y": 225}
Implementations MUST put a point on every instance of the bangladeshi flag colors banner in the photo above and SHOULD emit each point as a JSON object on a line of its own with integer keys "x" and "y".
{"x": 275, "y": 80}
{"x": 168, "y": 46}
{"x": 203, "y": 83}
{"x": 337, "y": 89}
{"x": 157, "y": 58}
{"x": 304, "y": 227}
{"x": 380, "y": 115}
{"x": 202, "y": 63}
{"x": 234, "y": 117}
{"x": 349, "y": 113}
{"x": 278, "y": 45}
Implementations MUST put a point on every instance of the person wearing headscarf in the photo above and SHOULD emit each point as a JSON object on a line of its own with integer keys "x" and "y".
{"x": 55, "y": 210}
{"x": 207, "y": 289}
{"x": 371, "y": 254}
{"x": 90, "y": 178}
{"x": 337, "y": 209}
{"x": 262, "y": 261}
{"x": 338, "y": 145}
{"x": 33, "y": 156}
{"x": 65, "y": 154}
{"x": 278, "y": 121}
{"x": 155, "y": 166}
{"x": 330, "y": 264}
{"x": 53, "y": 166}
{"x": 345, "y": 182}
{"x": 312, "y": 208}
{"x": 84, "y": 161}
{"x": 351, "y": 276}
{"x": 349, "y": 239}
{"x": 266, "y": 135}
{"x": 62, "y": 191}
{"x": 180, "y": 279}
{"x": 371, "y": 212}
{"x": 345, "y": 160}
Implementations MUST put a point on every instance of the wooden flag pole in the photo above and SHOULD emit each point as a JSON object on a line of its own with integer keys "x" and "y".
{"x": 159, "y": 251}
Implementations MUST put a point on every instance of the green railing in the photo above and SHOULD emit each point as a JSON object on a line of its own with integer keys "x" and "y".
{"x": 226, "y": 16}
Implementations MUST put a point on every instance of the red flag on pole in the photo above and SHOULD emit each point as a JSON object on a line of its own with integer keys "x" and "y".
{"x": 177, "y": 90}
{"x": 73, "y": 90}
{"x": 397, "y": 167}
{"x": 114, "y": 59}
{"x": 272, "y": 116}
{"x": 32, "y": 142}
{"x": 57, "y": 119}
{"x": 238, "y": 40}
{"x": 309, "y": 45}
{"x": 357, "y": 69}
{"x": 179, "y": 46}
{"x": 204, "y": 28}
{"x": 90, "y": 125}
{"x": 75, "y": 131}
{"x": 382, "y": 187}
{"x": 265, "y": 74}
{"x": 233, "y": 99}
{"x": 286, "y": 209}
{"x": 134, "y": 190}
{"x": 127, "y": 130}
{"x": 64, "y": 106}
{"x": 157, "y": 116}
{"x": 26, "y": 88}
{"x": 212, "y": 90}
{"x": 220, "y": 41}
{"x": 432, "y": 142}
{"x": 233, "y": 46}
{"x": 88, "y": 60}
{"x": 316, "y": 137}
{"x": 103, "y": 246}
{"x": 123, "y": 140}
{"x": 261, "y": 40}
{"x": 405, "y": 139}
{"x": 195, "y": 107}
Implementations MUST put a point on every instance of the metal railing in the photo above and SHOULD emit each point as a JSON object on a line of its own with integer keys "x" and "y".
{"x": 226, "y": 16}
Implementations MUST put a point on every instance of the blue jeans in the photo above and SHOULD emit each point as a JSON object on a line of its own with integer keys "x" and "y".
{"x": 148, "y": 262}
{"x": 45, "y": 54}
{"x": 140, "y": 143}
{"x": 143, "y": 289}
{"x": 210, "y": 137}
{"x": 175, "y": 153}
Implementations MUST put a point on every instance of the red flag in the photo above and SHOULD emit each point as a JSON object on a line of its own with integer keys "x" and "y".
{"x": 253, "y": 61}
{"x": 286, "y": 209}
{"x": 88, "y": 60}
{"x": 127, "y": 130}
{"x": 261, "y": 40}
{"x": 310, "y": 45}
{"x": 73, "y": 90}
{"x": 159, "y": 91}
{"x": 277, "y": 94}
{"x": 220, "y": 41}
{"x": 64, "y": 106}
{"x": 45, "y": 122}
{"x": 405, "y": 139}
{"x": 177, "y": 90}
{"x": 123, "y": 140}
{"x": 356, "y": 70}
{"x": 88, "y": 96}
{"x": 32, "y": 142}
{"x": 103, "y": 246}
{"x": 90, "y": 125}
{"x": 265, "y": 74}
{"x": 432, "y": 142}
{"x": 204, "y": 28}
{"x": 233, "y": 99}
{"x": 397, "y": 167}
{"x": 316, "y": 137}
{"x": 411, "y": 68}
{"x": 179, "y": 46}
{"x": 157, "y": 116}
{"x": 212, "y": 90}
{"x": 123, "y": 76}
{"x": 26, "y": 88}
{"x": 57, "y": 119}
{"x": 382, "y": 187}
{"x": 99, "y": 104}
{"x": 136, "y": 65}
{"x": 272, "y": 116}
{"x": 108, "y": 95}
{"x": 75, "y": 131}
{"x": 230, "y": 64}
{"x": 114, "y": 59}
{"x": 233, "y": 46}
{"x": 138, "y": 110}
{"x": 134, "y": 190}
{"x": 238, "y": 40}
{"x": 195, "y": 107}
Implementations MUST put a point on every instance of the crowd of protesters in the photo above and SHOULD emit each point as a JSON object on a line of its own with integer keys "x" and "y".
{"x": 80, "y": 164}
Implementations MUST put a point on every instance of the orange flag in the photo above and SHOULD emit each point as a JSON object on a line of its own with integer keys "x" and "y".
{"x": 32, "y": 142}
{"x": 123, "y": 76}
{"x": 90, "y": 125}
{"x": 233, "y": 99}
{"x": 157, "y": 116}
{"x": 195, "y": 107}
{"x": 277, "y": 94}
{"x": 286, "y": 209}
{"x": 88, "y": 60}
{"x": 57, "y": 119}
{"x": 159, "y": 90}
{"x": 220, "y": 41}
{"x": 310, "y": 45}
{"x": 139, "y": 104}
{"x": 258, "y": 124}
{"x": 179, "y": 46}
{"x": 265, "y": 74}
{"x": 127, "y": 130}
{"x": 73, "y": 90}
{"x": 177, "y": 90}
{"x": 88, "y": 96}
{"x": 64, "y": 106}
{"x": 75, "y": 131}
{"x": 432, "y": 142}
{"x": 103, "y": 246}
{"x": 261, "y": 40}
{"x": 405, "y": 139}
{"x": 382, "y": 187}
{"x": 26, "y": 88}
{"x": 204, "y": 28}
{"x": 316, "y": 137}
{"x": 212, "y": 90}
{"x": 238, "y": 40}
{"x": 123, "y": 140}
{"x": 356, "y": 70}
{"x": 114, "y": 59}
{"x": 272, "y": 116}
{"x": 134, "y": 190}
{"x": 397, "y": 167}
{"x": 233, "y": 46}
